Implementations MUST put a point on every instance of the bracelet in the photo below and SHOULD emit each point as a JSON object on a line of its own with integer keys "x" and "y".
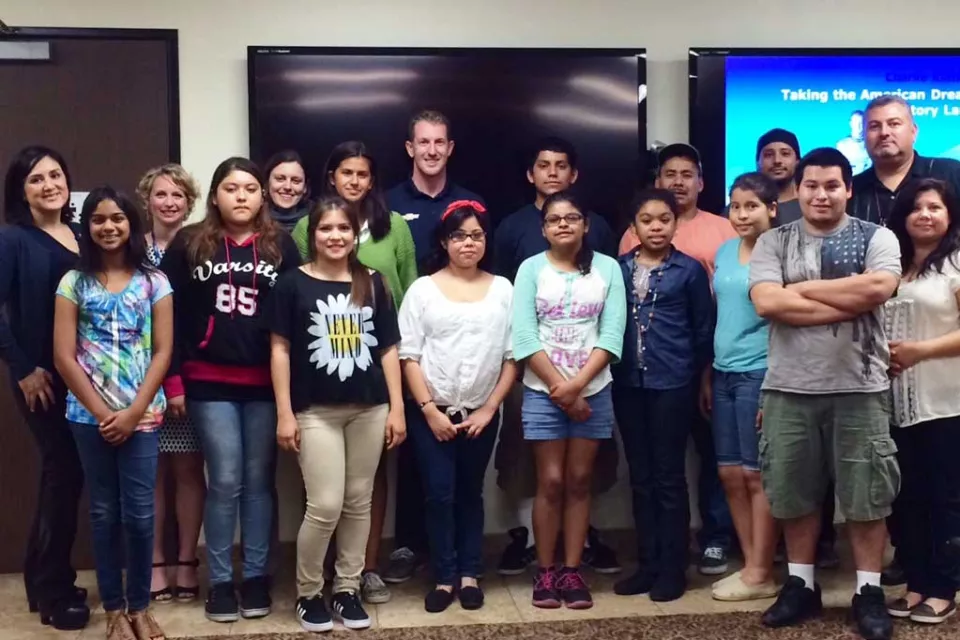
{"x": 425, "y": 403}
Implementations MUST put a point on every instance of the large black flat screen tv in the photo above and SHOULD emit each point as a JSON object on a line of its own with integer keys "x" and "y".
{"x": 736, "y": 95}
{"x": 498, "y": 100}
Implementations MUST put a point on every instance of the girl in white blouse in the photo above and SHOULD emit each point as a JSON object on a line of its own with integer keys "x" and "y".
{"x": 456, "y": 356}
{"x": 923, "y": 324}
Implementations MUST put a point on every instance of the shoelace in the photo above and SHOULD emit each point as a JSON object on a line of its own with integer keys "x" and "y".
{"x": 572, "y": 581}
{"x": 402, "y": 554}
{"x": 714, "y": 553}
{"x": 546, "y": 581}
{"x": 373, "y": 581}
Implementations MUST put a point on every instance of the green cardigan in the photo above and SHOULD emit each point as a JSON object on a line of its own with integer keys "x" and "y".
{"x": 393, "y": 256}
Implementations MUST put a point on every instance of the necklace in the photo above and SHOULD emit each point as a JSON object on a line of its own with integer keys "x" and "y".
{"x": 646, "y": 284}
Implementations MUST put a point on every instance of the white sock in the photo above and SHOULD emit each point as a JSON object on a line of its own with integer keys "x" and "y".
{"x": 525, "y": 517}
{"x": 865, "y": 578}
{"x": 802, "y": 571}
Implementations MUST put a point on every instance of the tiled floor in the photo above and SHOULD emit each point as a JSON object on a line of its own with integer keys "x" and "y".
{"x": 507, "y": 600}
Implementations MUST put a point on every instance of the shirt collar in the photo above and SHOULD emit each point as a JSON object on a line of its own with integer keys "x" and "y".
{"x": 416, "y": 193}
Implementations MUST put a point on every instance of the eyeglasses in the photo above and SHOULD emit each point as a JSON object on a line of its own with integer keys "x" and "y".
{"x": 570, "y": 218}
{"x": 462, "y": 236}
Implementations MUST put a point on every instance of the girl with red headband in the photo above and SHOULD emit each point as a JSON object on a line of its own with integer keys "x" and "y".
{"x": 457, "y": 360}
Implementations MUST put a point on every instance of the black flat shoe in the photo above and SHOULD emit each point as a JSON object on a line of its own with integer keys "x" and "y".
{"x": 471, "y": 598}
{"x": 65, "y": 616}
{"x": 438, "y": 600}
{"x": 79, "y": 595}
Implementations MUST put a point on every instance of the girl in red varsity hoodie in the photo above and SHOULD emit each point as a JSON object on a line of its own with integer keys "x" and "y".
{"x": 222, "y": 271}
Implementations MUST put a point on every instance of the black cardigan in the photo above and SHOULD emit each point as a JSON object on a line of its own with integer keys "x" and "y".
{"x": 30, "y": 271}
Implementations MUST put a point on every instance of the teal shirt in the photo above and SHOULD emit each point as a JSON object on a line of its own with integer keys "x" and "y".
{"x": 567, "y": 316}
{"x": 392, "y": 256}
{"x": 741, "y": 337}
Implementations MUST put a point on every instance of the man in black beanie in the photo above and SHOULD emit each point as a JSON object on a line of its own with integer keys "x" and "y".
{"x": 778, "y": 152}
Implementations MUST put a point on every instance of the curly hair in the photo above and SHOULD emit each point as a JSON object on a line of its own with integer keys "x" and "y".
{"x": 178, "y": 176}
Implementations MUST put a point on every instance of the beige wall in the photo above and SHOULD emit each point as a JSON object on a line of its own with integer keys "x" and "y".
{"x": 214, "y": 35}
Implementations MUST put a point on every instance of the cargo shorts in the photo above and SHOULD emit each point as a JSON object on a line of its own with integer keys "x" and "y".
{"x": 806, "y": 440}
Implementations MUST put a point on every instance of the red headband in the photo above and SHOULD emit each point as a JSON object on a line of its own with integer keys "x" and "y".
{"x": 459, "y": 204}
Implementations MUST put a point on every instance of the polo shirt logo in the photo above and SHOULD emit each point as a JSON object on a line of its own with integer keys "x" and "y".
{"x": 410, "y": 216}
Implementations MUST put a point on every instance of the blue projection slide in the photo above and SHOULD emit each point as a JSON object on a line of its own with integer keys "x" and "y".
{"x": 816, "y": 97}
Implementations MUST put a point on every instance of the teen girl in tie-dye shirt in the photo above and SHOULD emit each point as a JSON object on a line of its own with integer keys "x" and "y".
{"x": 113, "y": 338}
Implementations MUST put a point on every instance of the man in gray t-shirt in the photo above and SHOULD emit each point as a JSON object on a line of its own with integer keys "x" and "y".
{"x": 822, "y": 282}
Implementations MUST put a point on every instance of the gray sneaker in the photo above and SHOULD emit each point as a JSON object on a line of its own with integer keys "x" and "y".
{"x": 373, "y": 589}
{"x": 403, "y": 562}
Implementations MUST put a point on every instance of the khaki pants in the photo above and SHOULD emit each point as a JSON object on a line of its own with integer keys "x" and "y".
{"x": 340, "y": 449}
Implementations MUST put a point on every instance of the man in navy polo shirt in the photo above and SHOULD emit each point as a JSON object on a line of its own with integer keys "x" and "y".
{"x": 422, "y": 198}
{"x": 552, "y": 168}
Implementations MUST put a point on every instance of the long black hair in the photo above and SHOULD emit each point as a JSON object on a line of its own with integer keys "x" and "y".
{"x": 15, "y": 206}
{"x": 361, "y": 281}
{"x": 584, "y": 258}
{"x": 905, "y": 204}
{"x": 373, "y": 208}
{"x": 452, "y": 221}
{"x": 135, "y": 252}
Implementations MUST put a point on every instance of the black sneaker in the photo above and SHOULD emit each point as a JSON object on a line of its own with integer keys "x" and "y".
{"x": 313, "y": 615}
{"x": 255, "y": 599}
{"x": 348, "y": 609}
{"x": 870, "y": 612}
{"x": 517, "y": 556}
{"x": 222, "y": 603}
{"x": 400, "y": 567}
{"x": 599, "y": 556}
{"x": 713, "y": 562}
{"x": 794, "y": 605}
{"x": 639, "y": 583}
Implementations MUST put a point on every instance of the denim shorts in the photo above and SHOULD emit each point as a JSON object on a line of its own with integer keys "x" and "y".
{"x": 736, "y": 401}
{"x": 543, "y": 420}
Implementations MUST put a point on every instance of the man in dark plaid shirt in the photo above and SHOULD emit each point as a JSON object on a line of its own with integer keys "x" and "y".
{"x": 891, "y": 133}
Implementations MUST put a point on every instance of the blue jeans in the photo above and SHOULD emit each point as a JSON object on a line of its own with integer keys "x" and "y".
{"x": 239, "y": 445}
{"x": 736, "y": 401}
{"x": 453, "y": 474}
{"x": 121, "y": 481}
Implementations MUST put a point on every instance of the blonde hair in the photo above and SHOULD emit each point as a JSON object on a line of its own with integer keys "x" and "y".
{"x": 178, "y": 176}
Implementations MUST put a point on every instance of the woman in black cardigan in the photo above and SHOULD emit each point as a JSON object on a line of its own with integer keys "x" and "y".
{"x": 38, "y": 245}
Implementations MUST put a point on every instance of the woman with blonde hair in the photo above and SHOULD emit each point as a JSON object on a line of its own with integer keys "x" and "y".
{"x": 167, "y": 194}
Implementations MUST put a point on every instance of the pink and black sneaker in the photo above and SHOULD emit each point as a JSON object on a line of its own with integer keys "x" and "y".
{"x": 545, "y": 592}
{"x": 573, "y": 589}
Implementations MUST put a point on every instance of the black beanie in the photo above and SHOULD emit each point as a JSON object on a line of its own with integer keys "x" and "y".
{"x": 778, "y": 135}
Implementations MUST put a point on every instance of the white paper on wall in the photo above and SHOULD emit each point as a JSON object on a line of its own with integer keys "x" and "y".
{"x": 76, "y": 203}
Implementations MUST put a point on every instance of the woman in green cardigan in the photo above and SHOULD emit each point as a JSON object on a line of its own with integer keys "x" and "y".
{"x": 386, "y": 245}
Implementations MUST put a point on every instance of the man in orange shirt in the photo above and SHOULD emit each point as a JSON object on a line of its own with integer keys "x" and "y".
{"x": 699, "y": 234}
